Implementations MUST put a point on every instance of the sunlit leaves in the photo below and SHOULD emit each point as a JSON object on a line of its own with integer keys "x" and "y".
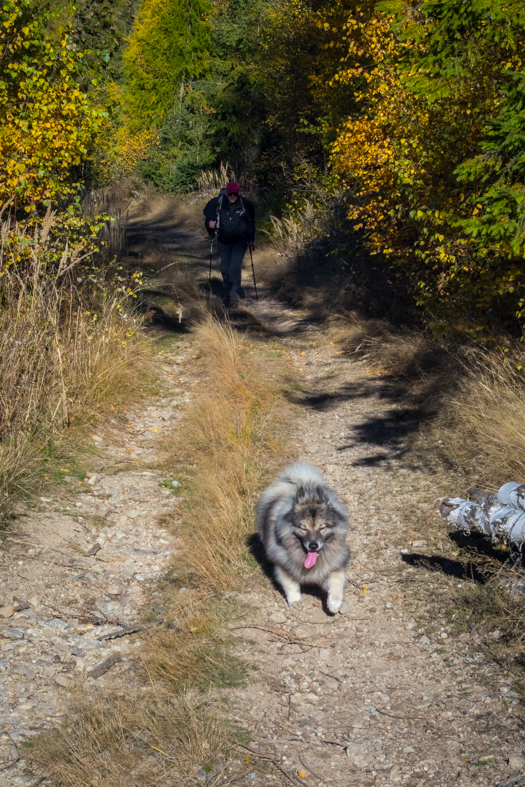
{"x": 47, "y": 122}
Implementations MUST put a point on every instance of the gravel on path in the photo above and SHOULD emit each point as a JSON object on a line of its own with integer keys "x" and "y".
{"x": 76, "y": 570}
{"x": 365, "y": 696}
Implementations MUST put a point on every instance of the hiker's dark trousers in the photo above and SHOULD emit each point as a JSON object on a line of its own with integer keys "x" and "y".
{"x": 232, "y": 255}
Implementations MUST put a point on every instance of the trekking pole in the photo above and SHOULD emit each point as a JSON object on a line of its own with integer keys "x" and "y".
{"x": 253, "y": 271}
{"x": 209, "y": 275}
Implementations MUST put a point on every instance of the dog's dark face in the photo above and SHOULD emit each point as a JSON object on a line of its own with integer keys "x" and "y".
{"x": 314, "y": 520}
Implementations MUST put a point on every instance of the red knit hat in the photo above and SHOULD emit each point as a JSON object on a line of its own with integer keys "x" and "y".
{"x": 232, "y": 187}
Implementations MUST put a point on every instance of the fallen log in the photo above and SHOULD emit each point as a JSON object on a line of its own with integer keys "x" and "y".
{"x": 500, "y": 516}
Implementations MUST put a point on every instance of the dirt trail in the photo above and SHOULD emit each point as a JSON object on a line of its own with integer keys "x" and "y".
{"x": 76, "y": 569}
{"x": 363, "y": 697}
{"x": 370, "y": 695}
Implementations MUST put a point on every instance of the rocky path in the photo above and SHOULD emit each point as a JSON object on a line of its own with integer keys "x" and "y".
{"x": 373, "y": 694}
{"x": 378, "y": 693}
{"x": 76, "y": 569}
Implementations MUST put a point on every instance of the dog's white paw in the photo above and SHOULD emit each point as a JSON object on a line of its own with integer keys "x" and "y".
{"x": 334, "y": 604}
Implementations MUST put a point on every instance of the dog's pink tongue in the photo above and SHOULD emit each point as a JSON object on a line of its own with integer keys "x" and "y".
{"x": 310, "y": 559}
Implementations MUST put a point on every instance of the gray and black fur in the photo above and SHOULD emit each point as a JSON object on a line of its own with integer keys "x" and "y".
{"x": 299, "y": 513}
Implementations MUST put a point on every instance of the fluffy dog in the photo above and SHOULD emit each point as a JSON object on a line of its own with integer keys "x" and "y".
{"x": 303, "y": 526}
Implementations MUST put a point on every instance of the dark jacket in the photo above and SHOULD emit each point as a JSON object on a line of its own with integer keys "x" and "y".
{"x": 237, "y": 221}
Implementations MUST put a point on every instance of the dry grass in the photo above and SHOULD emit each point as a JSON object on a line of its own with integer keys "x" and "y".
{"x": 472, "y": 398}
{"x": 160, "y": 737}
{"x": 67, "y": 337}
{"x": 404, "y": 353}
{"x": 122, "y": 741}
{"x": 483, "y": 422}
{"x": 231, "y": 435}
{"x": 189, "y": 651}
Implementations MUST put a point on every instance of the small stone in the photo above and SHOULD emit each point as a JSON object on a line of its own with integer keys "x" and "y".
{"x": 93, "y": 479}
{"x": 34, "y": 600}
{"x": 96, "y": 438}
{"x": 355, "y": 749}
{"x": 424, "y": 641}
{"x": 311, "y": 698}
{"x": 58, "y": 624}
{"x": 516, "y": 762}
{"x": 14, "y": 634}
{"x": 395, "y": 774}
{"x": 20, "y": 604}
{"x": 324, "y": 654}
{"x": 26, "y": 706}
{"x": 408, "y": 750}
{"x": 116, "y": 590}
{"x": 176, "y": 484}
{"x": 71, "y": 479}
{"x": 133, "y": 514}
{"x": 182, "y": 590}
{"x": 8, "y": 611}
{"x": 346, "y": 608}
{"x": 27, "y": 671}
{"x": 277, "y": 617}
{"x": 46, "y": 499}
{"x": 201, "y": 775}
{"x": 66, "y": 683}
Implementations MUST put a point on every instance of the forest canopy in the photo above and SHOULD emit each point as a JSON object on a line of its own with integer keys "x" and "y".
{"x": 407, "y": 117}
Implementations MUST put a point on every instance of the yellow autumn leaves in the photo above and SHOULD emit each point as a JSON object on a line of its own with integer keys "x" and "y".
{"x": 47, "y": 122}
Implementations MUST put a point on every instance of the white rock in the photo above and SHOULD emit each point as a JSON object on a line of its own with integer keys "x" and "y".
{"x": 395, "y": 774}
{"x": 355, "y": 749}
{"x": 34, "y": 600}
{"x": 516, "y": 762}
{"x": 8, "y": 611}
{"x": 66, "y": 683}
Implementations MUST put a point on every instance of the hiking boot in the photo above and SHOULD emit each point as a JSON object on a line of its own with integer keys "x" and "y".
{"x": 233, "y": 305}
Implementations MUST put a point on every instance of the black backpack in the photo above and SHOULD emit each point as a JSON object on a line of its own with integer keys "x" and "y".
{"x": 222, "y": 194}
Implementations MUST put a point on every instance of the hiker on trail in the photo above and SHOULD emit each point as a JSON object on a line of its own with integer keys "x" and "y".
{"x": 232, "y": 218}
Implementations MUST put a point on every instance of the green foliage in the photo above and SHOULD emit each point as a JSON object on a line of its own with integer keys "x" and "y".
{"x": 47, "y": 122}
{"x": 167, "y": 50}
{"x": 434, "y": 153}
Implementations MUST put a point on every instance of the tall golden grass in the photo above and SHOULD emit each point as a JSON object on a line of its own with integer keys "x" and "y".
{"x": 483, "y": 422}
{"x": 67, "y": 336}
{"x": 231, "y": 432}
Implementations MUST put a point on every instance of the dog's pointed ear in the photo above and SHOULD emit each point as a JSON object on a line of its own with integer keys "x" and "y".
{"x": 321, "y": 494}
{"x": 300, "y": 493}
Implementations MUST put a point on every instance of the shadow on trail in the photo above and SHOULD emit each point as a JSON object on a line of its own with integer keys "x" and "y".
{"x": 475, "y": 545}
{"x": 391, "y": 427}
